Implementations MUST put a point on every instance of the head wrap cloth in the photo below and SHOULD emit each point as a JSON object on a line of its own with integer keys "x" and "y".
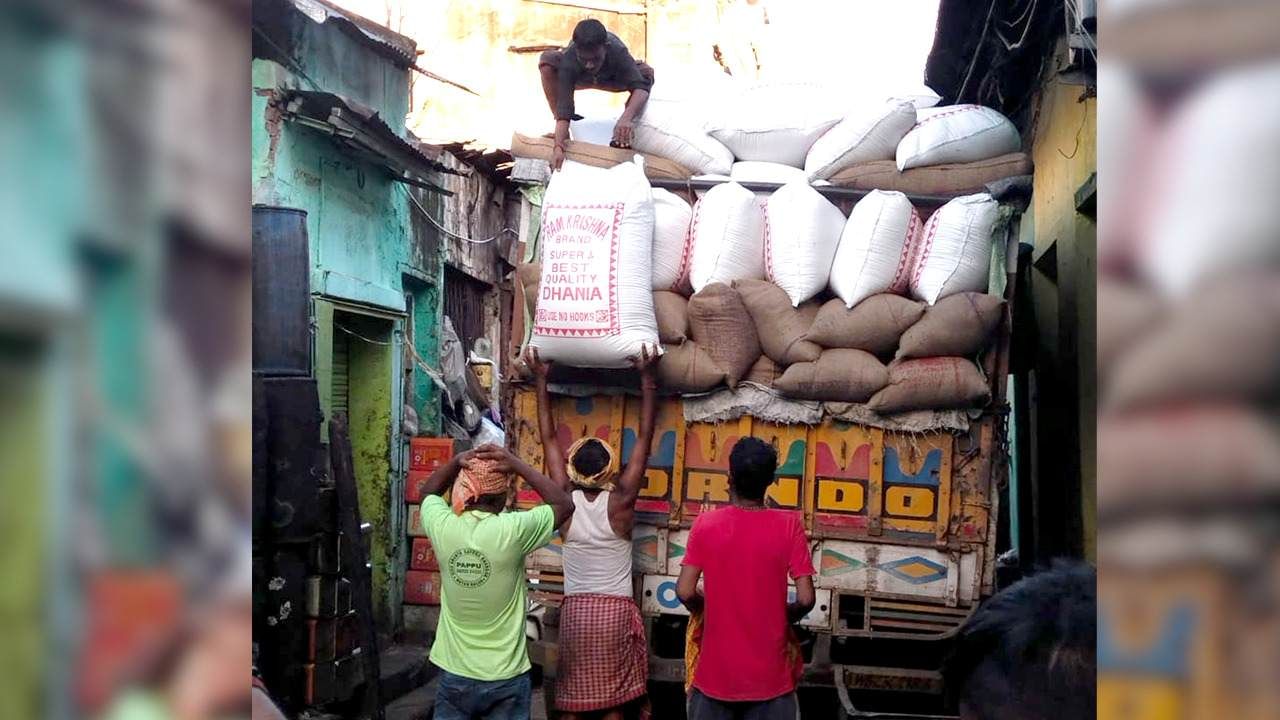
{"x": 477, "y": 479}
{"x": 602, "y": 480}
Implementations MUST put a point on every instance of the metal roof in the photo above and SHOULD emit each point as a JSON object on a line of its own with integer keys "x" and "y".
{"x": 390, "y": 43}
{"x": 362, "y": 131}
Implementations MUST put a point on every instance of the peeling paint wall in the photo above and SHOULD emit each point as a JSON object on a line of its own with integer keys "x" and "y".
{"x": 365, "y": 259}
{"x": 1063, "y": 145}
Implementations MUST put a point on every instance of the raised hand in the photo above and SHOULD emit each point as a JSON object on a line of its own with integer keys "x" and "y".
{"x": 646, "y": 361}
{"x": 535, "y": 364}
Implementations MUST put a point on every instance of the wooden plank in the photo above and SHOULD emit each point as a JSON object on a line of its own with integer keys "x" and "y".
{"x": 356, "y": 569}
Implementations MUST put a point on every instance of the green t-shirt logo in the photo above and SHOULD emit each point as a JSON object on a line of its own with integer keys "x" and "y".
{"x": 469, "y": 568}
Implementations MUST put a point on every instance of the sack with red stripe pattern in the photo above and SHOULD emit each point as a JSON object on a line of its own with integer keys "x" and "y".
{"x": 595, "y": 300}
{"x": 800, "y": 239}
{"x": 728, "y": 237}
{"x": 872, "y": 254}
{"x": 671, "y": 241}
{"x": 957, "y": 134}
{"x": 952, "y": 252}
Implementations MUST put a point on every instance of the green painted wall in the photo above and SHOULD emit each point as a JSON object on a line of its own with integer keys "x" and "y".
{"x": 363, "y": 254}
{"x": 370, "y": 416}
{"x": 24, "y": 451}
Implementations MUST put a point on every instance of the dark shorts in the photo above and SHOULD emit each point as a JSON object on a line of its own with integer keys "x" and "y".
{"x": 553, "y": 58}
{"x": 459, "y": 698}
{"x": 702, "y": 707}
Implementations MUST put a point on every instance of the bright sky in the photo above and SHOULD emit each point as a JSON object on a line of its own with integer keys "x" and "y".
{"x": 877, "y": 47}
{"x": 866, "y": 50}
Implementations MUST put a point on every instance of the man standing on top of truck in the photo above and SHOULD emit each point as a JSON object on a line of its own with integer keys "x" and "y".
{"x": 480, "y": 641}
{"x": 595, "y": 60}
{"x": 747, "y": 664}
{"x": 603, "y": 658}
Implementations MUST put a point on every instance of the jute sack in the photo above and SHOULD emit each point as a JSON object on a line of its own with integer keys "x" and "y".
{"x": 1130, "y": 312}
{"x": 765, "y": 372}
{"x": 1222, "y": 346}
{"x": 720, "y": 323}
{"x": 781, "y": 328}
{"x": 672, "y": 312}
{"x": 874, "y": 325}
{"x": 602, "y": 156}
{"x": 530, "y": 274}
{"x": 841, "y": 375}
{"x": 937, "y": 383}
{"x": 687, "y": 368}
{"x": 958, "y": 325}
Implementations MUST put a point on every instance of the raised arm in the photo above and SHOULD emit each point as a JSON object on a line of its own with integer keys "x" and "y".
{"x": 632, "y": 478}
{"x": 551, "y": 493}
{"x": 554, "y": 458}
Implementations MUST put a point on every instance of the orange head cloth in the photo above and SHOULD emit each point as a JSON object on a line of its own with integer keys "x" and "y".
{"x": 479, "y": 478}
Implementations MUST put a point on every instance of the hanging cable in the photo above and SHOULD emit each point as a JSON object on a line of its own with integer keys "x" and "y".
{"x": 1029, "y": 15}
{"x": 358, "y": 336}
{"x": 446, "y": 231}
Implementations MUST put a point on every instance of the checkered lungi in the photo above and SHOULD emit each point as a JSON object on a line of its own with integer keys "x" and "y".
{"x": 604, "y": 660}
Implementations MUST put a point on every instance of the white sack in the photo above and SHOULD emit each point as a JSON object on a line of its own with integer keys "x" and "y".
{"x": 860, "y": 137}
{"x": 957, "y": 134}
{"x": 728, "y": 237}
{"x": 597, "y": 131}
{"x": 802, "y": 230}
{"x": 952, "y": 253}
{"x": 774, "y": 122}
{"x": 673, "y": 131}
{"x": 1211, "y": 209}
{"x": 754, "y": 171}
{"x": 873, "y": 252}
{"x": 595, "y": 300}
{"x": 671, "y": 242}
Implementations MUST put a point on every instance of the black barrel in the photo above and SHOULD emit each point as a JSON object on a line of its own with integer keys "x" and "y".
{"x": 281, "y": 292}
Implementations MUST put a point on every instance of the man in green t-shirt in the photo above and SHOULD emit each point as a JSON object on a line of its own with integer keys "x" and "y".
{"x": 480, "y": 642}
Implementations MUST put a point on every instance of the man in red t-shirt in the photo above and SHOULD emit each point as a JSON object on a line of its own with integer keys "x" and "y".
{"x": 744, "y": 554}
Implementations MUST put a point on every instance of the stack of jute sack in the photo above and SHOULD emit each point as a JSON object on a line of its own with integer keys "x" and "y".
{"x": 782, "y": 132}
{"x": 785, "y": 293}
{"x": 891, "y": 352}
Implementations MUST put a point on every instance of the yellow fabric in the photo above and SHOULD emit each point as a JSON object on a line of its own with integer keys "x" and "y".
{"x": 693, "y": 647}
{"x": 602, "y": 480}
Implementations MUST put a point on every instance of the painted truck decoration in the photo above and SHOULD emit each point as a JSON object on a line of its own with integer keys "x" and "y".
{"x": 889, "y": 515}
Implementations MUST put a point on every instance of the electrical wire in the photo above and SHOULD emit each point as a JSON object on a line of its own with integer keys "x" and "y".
{"x": 1089, "y": 45}
{"x": 446, "y": 231}
{"x": 1029, "y": 15}
{"x": 358, "y": 336}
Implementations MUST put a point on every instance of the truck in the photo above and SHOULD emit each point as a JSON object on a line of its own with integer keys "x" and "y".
{"x": 902, "y": 525}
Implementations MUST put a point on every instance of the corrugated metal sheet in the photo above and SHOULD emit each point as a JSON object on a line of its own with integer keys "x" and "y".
{"x": 464, "y": 304}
